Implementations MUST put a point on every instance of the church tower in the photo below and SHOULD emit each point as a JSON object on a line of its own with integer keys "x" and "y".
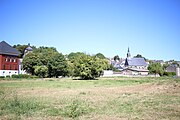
{"x": 128, "y": 53}
{"x": 28, "y": 50}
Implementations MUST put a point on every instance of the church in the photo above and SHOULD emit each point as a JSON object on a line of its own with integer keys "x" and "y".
{"x": 135, "y": 66}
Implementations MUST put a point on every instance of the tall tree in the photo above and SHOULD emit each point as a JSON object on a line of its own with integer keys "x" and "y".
{"x": 139, "y": 56}
{"x": 31, "y": 60}
{"x": 116, "y": 57}
{"x": 88, "y": 67}
{"x": 49, "y": 57}
{"x": 100, "y": 55}
{"x": 156, "y": 68}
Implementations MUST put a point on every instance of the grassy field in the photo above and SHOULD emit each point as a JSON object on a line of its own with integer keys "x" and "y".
{"x": 101, "y": 99}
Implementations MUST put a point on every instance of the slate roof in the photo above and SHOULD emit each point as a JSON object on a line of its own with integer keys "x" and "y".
{"x": 6, "y": 49}
{"x": 135, "y": 62}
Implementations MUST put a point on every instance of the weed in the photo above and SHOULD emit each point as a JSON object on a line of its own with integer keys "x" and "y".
{"x": 19, "y": 107}
{"x": 75, "y": 109}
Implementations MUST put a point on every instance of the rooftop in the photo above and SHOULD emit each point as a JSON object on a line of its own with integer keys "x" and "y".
{"x": 6, "y": 49}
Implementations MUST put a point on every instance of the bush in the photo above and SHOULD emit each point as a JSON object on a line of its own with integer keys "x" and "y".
{"x": 23, "y": 76}
{"x": 2, "y": 76}
{"x": 169, "y": 74}
{"x": 8, "y": 76}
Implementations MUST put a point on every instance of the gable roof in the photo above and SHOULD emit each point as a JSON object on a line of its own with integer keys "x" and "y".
{"x": 6, "y": 49}
{"x": 135, "y": 62}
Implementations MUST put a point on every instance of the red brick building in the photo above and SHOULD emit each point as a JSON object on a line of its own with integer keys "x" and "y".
{"x": 9, "y": 61}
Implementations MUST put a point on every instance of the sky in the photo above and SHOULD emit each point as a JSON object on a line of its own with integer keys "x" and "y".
{"x": 148, "y": 27}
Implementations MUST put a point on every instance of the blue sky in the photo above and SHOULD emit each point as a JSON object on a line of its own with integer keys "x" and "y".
{"x": 149, "y": 27}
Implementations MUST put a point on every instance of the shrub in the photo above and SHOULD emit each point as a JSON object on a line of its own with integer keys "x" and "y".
{"x": 23, "y": 76}
{"x": 169, "y": 74}
{"x": 2, "y": 76}
{"x": 8, "y": 76}
{"x": 75, "y": 109}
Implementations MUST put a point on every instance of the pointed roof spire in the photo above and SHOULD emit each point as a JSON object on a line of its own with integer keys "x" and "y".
{"x": 128, "y": 53}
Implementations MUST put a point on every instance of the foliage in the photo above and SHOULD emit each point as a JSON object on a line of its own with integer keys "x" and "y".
{"x": 41, "y": 71}
{"x": 2, "y": 76}
{"x": 156, "y": 68}
{"x": 100, "y": 55}
{"x": 8, "y": 76}
{"x": 12, "y": 104}
{"x": 139, "y": 56}
{"x": 75, "y": 109}
{"x": 23, "y": 76}
{"x": 73, "y": 55}
{"x": 57, "y": 65}
{"x": 45, "y": 56}
{"x": 30, "y": 60}
{"x": 169, "y": 74}
{"x": 88, "y": 67}
{"x": 116, "y": 57}
{"x": 21, "y": 48}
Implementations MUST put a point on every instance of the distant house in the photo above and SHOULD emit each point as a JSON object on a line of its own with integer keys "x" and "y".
{"x": 9, "y": 60}
{"x": 171, "y": 68}
{"x": 135, "y": 66}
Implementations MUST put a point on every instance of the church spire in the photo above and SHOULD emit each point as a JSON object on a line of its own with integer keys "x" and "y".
{"x": 128, "y": 53}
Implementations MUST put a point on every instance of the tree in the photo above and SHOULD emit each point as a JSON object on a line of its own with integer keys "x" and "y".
{"x": 156, "y": 68}
{"x": 41, "y": 71}
{"x": 88, "y": 67}
{"x": 100, "y": 55}
{"x": 139, "y": 56}
{"x": 116, "y": 57}
{"x": 49, "y": 57}
{"x": 57, "y": 65}
{"x": 31, "y": 60}
{"x": 73, "y": 55}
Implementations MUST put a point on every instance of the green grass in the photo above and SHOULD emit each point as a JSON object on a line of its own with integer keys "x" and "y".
{"x": 105, "y": 98}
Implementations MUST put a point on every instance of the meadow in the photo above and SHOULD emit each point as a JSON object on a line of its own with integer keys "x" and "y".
{"x": 117, "y": 98}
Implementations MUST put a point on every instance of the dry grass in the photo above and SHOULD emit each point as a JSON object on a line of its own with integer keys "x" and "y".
{"x": 103, "y": 99}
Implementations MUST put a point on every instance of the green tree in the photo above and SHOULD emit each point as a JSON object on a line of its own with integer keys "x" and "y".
{"x": 156, "y": 68}
{"x": 139, "y": 56}
{"x": 73, "y": 55}
{"x": 88, "y": 67}
{"x": 116, "y": 57}
{"x": 31, "y": 60}
{"x": 57, "y": 65}
{"x": 41, "y": 71}
{"x": 49, "y": 57}
{"x": 100, "y": 55}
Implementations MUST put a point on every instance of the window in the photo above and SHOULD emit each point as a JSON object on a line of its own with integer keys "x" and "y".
{"x": 4, "y": 67}
{"x": 6, "y": 59}
{"x": 10, "y": 60}
{"x": 14, "y": 59}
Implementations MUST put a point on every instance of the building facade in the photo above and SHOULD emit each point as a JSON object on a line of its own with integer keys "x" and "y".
{"x": 135, "y": 66}
{"x": 9, "y": 60}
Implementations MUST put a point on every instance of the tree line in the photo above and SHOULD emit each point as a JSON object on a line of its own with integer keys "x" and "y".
{"x": 48, "y": 62}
